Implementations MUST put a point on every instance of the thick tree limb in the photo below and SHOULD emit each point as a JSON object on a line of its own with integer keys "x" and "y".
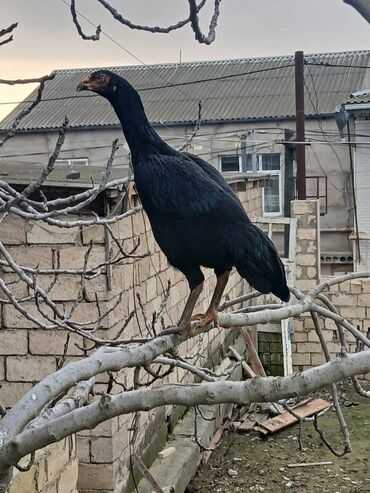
{"x": 258, "y": 389}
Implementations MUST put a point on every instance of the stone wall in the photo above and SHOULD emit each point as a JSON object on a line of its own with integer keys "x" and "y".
{"x": 351, "y": 298}
{"x": 55, "y": 470}
{"x": 27, "y": 353}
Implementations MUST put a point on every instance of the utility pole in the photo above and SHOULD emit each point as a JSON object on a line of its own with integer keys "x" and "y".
{"x": 299, "y": 104}
{"x": 288, "y": 184}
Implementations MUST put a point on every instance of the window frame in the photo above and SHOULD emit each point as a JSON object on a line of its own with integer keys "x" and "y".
{"x": 261, "y": 171}
{"x": 84, "y": 161}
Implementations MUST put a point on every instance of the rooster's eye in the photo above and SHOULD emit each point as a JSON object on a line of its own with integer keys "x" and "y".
{"x": 101, "y": 78}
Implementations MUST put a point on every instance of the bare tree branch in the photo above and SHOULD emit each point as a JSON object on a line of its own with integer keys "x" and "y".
{"x": 40, "y": 80}
{"x": 153, "y": 29}
{"x": 93, "y": 37}
{"x": 199, "y": 36}
{"x": 195, "y": 131}
{"x": 32, "y": 187}
{"x": 11, "y": 132}
{"x": 258, "y": 389}
{"x": 7, "y": 30}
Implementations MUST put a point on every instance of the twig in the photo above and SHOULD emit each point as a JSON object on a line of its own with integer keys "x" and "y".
{"x": 93, "y": 37}
{"x": 11, "y": 132}
{"x": 152, "y": 29}
{"x": 199, "y": 36}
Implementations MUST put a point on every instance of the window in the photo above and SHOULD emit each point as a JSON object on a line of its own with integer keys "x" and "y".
{"x": 73, "y": 162}
{"x": 265, "y": 163}
{"x": 229, "y": 163}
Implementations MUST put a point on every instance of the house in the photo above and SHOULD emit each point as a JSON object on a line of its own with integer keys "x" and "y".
{"x": 248, "y": 106}
{"x": 356, "y": 111}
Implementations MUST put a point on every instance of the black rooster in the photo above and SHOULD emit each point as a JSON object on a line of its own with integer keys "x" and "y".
{"x": 196, "y": 218}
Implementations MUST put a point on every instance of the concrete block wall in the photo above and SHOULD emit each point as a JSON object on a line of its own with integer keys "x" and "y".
{"x": 351, "y": 298}
{"x": 27, "y": 353}
{"x": 55, "y": 470}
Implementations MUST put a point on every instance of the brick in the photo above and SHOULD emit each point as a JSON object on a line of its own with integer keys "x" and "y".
{"x": 303, "y": 207}
{"x": 41, "y": 232}
{"x": 17, "y": 287}
{"x": 309, "y": 347}
{"x": 11, "y": 392}
{"x": 13, "y": 230}
{"x": 138, "y": 223}
{"x": 300, "y": 336}
{"x": 301, "y": 359}
{"x": 13, "y": 342}
{"x": 101, "y": 450}
{"x": 306, "y": 234}
{"x": 29, "y": 368}
{"x": 312, "y": 336}
{"x": 68, "y": 478}
{"x": 57, "y": 459}
{"x": 305, "y": 284}
{"x": 306, "y": 259}
{"x": 32, "y": 256}
{"x": 345, "y": 286}
{"x": 65, "y": 288}
{"x": 151, "y": 288}
{"x": 317, "y": 359}
{"x": 41, "y": 477}
{"x": 142, "y": 269}
{"x": 353, "y": 312}
{"x": 312, "y": 272}
{"x": 24, "y": 482}
{"x": 365, "y": 285}
{"x": 364, "y": 299}
{"x": 73, "y": 257}
{"x": 94, "y": 233}
{"x": 52, "y": 342}
{"x": 2, "y": 368}
{"x": 83, "y": 449}
{"x": 51, "y": 487}
{"x": 96, "y": 476}
{"x": 344, "y": 299}
{"x": 125, "y": 228}
{"x": 12, "y": 318}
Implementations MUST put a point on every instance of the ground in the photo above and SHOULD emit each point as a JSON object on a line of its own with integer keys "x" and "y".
{"x": 262, "y": 464}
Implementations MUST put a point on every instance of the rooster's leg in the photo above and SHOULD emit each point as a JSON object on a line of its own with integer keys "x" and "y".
{"x": 185, "y": 319}
{"x": 211, "y": 313}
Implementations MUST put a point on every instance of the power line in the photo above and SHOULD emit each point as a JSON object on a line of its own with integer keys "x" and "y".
{"x": 339, "y": 65}
{"x": 117, "y": 43}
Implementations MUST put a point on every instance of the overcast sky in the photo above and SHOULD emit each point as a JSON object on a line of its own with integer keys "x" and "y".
{"x": 46, "y": 38}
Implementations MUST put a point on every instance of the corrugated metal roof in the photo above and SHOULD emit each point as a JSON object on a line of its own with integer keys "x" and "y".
{"x": 362, "y": 97}
{"x": 267, "y": 93}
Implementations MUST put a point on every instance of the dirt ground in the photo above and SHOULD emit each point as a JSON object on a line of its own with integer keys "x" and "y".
{"x": 261, "y": 464}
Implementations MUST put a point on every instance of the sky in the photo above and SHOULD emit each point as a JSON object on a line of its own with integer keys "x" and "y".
{"x": 46, "y": 38}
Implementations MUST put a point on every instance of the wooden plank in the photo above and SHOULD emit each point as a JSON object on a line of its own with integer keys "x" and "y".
{"x": 286, "y": 419}
{"x": 243, "y": 363}
{"x": 213, "y": 444}
{"x": 166, "y": 452}
{"x": 256, "y": 362}
{"x": 146, "y": 473}
{"x": 311, "y": 464}
{"x": 251, "y": 421}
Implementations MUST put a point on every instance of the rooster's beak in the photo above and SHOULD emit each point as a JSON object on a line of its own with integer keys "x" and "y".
{"x": 85, "y": 85}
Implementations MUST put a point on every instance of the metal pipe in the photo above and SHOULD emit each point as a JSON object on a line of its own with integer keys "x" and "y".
{"x": 300, "y": 131}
